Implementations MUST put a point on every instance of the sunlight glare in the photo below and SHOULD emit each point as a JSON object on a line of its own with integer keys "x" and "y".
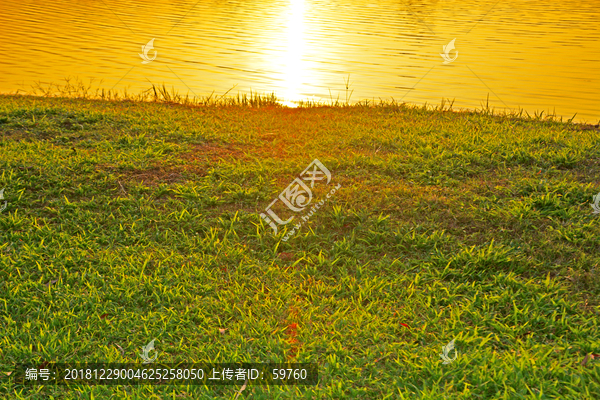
{"x": 295, "y": 50}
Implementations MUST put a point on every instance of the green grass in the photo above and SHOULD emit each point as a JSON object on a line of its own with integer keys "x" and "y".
{"x": 129, "y": 220}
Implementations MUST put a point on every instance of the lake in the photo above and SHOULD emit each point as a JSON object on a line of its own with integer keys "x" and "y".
{"x": 521, "y": 53}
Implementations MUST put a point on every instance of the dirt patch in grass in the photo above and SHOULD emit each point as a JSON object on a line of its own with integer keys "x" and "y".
{"x": 213, "y": 153}
{"x": 197, "y": 161}
{"x": 587, "y": 127}
{"x": 154, "y": 175}
{"x": 17, "y": 135}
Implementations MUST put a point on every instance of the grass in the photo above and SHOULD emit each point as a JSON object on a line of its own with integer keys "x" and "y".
{"x": 133, "y": 220}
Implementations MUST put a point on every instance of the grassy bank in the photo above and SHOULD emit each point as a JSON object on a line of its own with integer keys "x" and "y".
{"x": 128, "y": 221}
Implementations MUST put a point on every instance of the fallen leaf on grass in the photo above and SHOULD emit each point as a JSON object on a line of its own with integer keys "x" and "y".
{"x": 222, "y": 330}
{"x": 8, "y": 373}
{"x": 120, "y": 348}
{"x": 241, "y": 390}
{"x": 403, "y": 324}
{"x": 589, "y": 357}
{"x": 103, "y": 316}
{"x": 51, "y": 283}
{"x": 122, "y": 188}
{"x": 585, "y": 360}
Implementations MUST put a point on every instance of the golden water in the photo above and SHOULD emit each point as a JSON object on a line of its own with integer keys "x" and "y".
{"x": 539, "y": 56}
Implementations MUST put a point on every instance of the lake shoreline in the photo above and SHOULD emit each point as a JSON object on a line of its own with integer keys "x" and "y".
{"x": 160, "y": 95}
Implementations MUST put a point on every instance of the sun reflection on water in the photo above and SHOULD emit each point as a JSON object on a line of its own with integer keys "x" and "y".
{"x": 294, "y": 65}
